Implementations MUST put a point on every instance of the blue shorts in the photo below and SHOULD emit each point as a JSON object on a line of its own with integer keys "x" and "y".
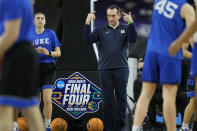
{"x": 161, "y": 69}
{"x": 193, "y": 69}
{"x": 190, "y": 94}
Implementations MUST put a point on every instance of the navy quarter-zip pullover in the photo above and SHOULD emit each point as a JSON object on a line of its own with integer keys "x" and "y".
{"x": 113, "y": 47}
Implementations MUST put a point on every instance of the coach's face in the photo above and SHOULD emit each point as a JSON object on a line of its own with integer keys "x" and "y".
{"x": 113, "y": 16}
{"x": 39, "y": 20}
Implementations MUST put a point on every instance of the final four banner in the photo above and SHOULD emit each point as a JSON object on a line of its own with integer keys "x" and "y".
{"x": 76, "y": 95}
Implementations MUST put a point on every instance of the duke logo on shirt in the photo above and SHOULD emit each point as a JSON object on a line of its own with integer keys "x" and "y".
{"x": 41, "y": 41}
{"x": 122, "y": 31}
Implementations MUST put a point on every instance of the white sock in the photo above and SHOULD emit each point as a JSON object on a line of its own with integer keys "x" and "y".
{"x": 15, "y": 125}
{"x": 47, "y": 123}
{"x": 185, "y": 126}
{"x": 135, "y": 128}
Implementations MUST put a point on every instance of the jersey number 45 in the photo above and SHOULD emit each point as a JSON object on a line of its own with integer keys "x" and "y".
{"x": 167, "y": 8}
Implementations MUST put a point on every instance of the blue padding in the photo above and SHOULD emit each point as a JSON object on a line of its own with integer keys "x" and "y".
{"x": 18, "y": 102}
{"x": 47, "y": 87}
{"x": 160, "y": 119}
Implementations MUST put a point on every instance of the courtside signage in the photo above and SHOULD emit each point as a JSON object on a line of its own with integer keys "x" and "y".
{"x": 76, "y": 95}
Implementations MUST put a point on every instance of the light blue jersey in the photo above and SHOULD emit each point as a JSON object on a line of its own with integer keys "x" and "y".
{"x": 167, "y": 25}
{"x": 18, "y": 9}
{"x": 48, "y": 40}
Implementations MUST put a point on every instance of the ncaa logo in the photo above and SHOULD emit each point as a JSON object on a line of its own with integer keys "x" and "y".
{"x": 60, "y": 84}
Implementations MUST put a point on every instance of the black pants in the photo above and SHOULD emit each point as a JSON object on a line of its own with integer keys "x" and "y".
{"x": 110, "y": 81}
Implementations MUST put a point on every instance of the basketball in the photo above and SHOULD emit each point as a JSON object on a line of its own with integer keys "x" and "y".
{"x": 59, "y": 124}
{"x": 22, "y": 124}
{"x": 95, "y": 124}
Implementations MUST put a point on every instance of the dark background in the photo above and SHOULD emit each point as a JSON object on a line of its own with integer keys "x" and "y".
{"x": 68, "y": 21}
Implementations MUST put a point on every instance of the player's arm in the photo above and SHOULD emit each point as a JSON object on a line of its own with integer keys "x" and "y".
{"x": 186, "y": 53}
{"x": 56, "y": 47}
{"x": 10, "y": 35}
{"x": 188, "y": 33}
{"x": 56, "y": 52}
{"x": 187, "y": 13}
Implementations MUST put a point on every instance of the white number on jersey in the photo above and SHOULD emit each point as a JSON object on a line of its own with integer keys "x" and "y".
{"x": 167, "y": 8}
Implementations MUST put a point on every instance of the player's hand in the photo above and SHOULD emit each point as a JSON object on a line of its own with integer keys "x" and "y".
{"x": 140, "y": 65}
{"x": 91, "y": 16}
{"x": 39, "y": 49}
{"x": 44, "y": 51}
{"x": 174, "y": 47}
{"x": 127, "y": 17}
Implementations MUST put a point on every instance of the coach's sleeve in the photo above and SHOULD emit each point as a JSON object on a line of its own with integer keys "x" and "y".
{"x": 89, "y": 37}
{"x": 131, "y": 33}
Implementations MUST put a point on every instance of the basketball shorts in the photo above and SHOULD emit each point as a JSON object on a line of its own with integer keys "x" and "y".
{"x": 20, "y": 76}
{"x": 161, "y": 69}
{"x": 47, "y": 75}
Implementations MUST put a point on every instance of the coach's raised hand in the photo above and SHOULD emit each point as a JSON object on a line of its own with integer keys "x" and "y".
{"x": 91, "y": 16}
{"x": 127, "y": 17}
